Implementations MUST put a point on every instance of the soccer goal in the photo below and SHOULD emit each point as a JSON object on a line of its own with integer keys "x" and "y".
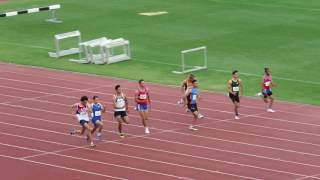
{"x": 193, "y": 60}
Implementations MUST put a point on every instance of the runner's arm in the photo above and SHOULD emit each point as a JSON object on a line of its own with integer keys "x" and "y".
{"x": 241, "y": 87}
{"x": 229, "y": 87}
{"x": 183, "y": 87}
{"x": 103, "y": 108}
{"x": 73, "y": 109}
{"x": 89, "y": 108}
{"x": 127, "y": 103}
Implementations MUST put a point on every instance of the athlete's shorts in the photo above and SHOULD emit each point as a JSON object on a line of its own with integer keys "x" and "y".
{"x": 94, "y": 120}
{"x": 120, "y": 113}
{"x": 142, "y": 107}
{"x": 266, "y": 93}
{"x": 83, "y": 122}
{"x": 193, "y": 107}
{"x": 234, "y": 98}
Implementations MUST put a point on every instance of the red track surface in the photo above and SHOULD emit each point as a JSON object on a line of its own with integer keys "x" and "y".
{"x": 35, "y": 145}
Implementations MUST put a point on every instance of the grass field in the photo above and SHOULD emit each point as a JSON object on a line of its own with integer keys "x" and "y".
{"x": 240, "y": 34}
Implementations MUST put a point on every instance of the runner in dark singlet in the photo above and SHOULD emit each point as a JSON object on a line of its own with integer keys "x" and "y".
{"x": 235, "y": 90}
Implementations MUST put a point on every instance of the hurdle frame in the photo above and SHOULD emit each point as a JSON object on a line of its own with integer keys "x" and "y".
{"x": 195, "y": 68}
{"x": 51, "y": 8}
{"x": 58, "y": 37}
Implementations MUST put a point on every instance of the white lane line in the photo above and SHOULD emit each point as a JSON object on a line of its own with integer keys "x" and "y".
{"x": 136, "y": 157}
{"x": 175, "y": 142}
{"x": 154, "y": 92}
{"x": 63, "y": 167}
{"x": 172, "y": 64}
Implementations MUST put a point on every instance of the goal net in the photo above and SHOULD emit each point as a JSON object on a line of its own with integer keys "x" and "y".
{"x": 193, "y": 60}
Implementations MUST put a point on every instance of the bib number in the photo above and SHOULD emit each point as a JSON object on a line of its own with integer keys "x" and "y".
{"x": 97, "y": 113}
{"x": 235, "y": 89}
{"x": 267, "y": 84}
{"x": 82, "y": 113}
{"x": 120, "y": 103}
{"x": 194, "y": 97}
{"x": 143, "y": 96}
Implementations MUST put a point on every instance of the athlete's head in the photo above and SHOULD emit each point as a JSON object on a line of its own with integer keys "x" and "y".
{"x": 195, "y": 83}
{"x": 95, "y": 99}
{"x": 84, "y": 99}
{"x": 118, "y": 88}
{"x": 235, "y": 74}
{"x": 267, "y": 71}
{"x": 141, "y": 83}
{"x": 191, "y": 77}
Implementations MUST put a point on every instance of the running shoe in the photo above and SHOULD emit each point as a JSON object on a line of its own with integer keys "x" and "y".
{"x": 122, "y": 135}
{"x": 200, "y": 116}
{"x": 92, "y": 144}
{"x": 193, "y": 128}
{"x": 271, "y": 110}
{"x": 72, "y": 131}
{"x": 99, "y": 136}
{"x": 147, "y": 131}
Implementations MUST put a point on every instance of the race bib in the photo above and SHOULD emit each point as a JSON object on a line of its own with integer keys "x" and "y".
{"x": 143, "y": 96}
{"x": 194, "y": 97}
{"x": 97, "y": 113}
{"x": 120, "y": 103}
{"x": 235, "y": 89}
{"x": 267, "y": 83}
{"x": 83, "y": 113}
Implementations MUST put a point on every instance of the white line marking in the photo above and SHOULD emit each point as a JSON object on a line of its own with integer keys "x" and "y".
{"x": 268, "y": 6}
{"x": 307, "y": 177}
{"x": 128, "y": 80}
{"x": 178, "y": 65}
{"x": 161, "y": 140}
{"x": 202, "y": 125}
{"x": 63, "y": 167}
{"x": 136, "y": 157}
{"x": 155, "y": 92}
{"x": 53, "y": 112}
{"x": 128, "y": 156}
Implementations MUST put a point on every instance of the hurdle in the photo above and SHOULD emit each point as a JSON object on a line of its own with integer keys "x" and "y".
{"x": 51, "y": 8}
{"x": 109, "y": 50}
{"x": 187, "y": 68}
{"x": 103, "y": 51}
{"x": 64, "y": 52}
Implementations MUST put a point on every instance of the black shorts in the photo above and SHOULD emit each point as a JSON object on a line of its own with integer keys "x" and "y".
{"x": 120, "y": 113}
{"x": 234, "y": 98}
{"x": 83, "y": 122}
{"x": 267, "y": 93}
{"x": 193, "y": 107}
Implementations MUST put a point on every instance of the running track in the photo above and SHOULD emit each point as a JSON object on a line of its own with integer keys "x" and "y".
{"x": 35, "y": 144}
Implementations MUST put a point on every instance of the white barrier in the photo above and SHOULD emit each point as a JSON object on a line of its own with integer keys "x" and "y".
{"x": 109, "y": 52}
{"x": 58, "y": 38}
{"x": 51, "y": 8}
{"x": 102, "y": 51}
{"x": 187, "y": 68}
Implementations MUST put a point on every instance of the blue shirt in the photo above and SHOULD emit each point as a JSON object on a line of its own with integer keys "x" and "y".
{"x": 194, "y": 95}
{"x": 96, "y": 110}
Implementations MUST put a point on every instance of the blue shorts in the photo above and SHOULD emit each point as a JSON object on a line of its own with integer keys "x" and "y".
{"x": 266, "y": 93}
{"x": 142, "y": 107}
{"x": 95, "y": 119}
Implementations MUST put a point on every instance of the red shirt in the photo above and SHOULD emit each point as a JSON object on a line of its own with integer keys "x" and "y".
{"x": 81, "y": 109}
{"x": 142, "y": 95}
{"x": 267, "y": 82}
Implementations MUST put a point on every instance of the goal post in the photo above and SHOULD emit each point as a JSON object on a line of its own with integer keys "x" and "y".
{"x": 203, "y": 63}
